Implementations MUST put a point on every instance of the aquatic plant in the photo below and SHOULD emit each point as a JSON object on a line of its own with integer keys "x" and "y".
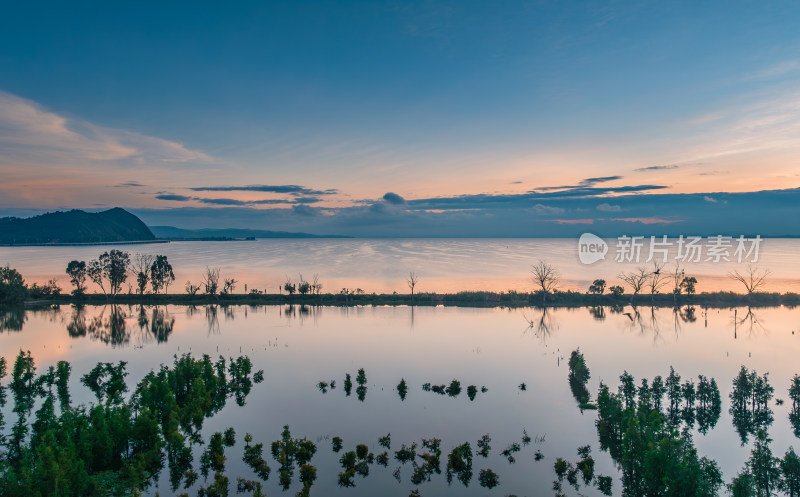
{"x": 406, "y": 454}
{"x": 509, "y": 452}
{"x": 484, "y": 446}
{"x": 750, "y": 397}
{"x": 459, "y": 463}
{"x": 488, "y": 478}
{"x": 253, "y": 457}
{"x": 402, "y": 389}
{"x": 454, "y": 389}
{"x": 348, "y": 384}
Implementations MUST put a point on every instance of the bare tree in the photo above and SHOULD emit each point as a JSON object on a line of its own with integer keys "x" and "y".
{"x": 656, "y": 280}
{"x": 412, "y": 282}
{"x": 546, "y": 277}
{"x": 636, "y": 279}
{"x": 191, "y": 288}
{"x": 228, "y": 286}
{"x": 141, "y": 265}
{"x": 210, "y": 280}
{"x": 677, "y": 282}
{"x": 753, "y": 279}
{"x": 316, "y": 286}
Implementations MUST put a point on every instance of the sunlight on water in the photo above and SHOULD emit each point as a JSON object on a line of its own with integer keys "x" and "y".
{"x": 444, "y": 265}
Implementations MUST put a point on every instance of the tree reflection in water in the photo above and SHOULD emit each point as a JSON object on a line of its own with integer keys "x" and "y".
{"x": 12, "y": 318}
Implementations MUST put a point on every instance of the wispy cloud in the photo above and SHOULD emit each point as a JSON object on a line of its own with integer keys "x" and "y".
{"x": 29, "y": 131}
{"x": 609, "y": 208}
{"x": 289, "y": 189}
{"x": 657, "y": 168}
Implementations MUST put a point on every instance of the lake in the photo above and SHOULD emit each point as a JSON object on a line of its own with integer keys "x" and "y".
{"x": 297, "y": 347}
{"x": 382, "y": 265}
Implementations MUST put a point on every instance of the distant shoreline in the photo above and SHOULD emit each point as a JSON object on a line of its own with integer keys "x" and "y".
{"x": 461, "y": 299}
{"x": 82, "y": 244}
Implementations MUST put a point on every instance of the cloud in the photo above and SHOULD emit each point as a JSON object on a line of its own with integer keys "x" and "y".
{"x": 394, "y": 199}
{"x": 775, "y": 71}
{"x": 177, "y": 198}
{"x": 524, "y": 200}
{"x": 221, "y": 201}
{"x": 573, "y": 221}
{"x": 290, "y": 189}
{"x": 547, "y": 210}
{"x": 657, "y": 168}
{"x": 609, "y": 208}
{"x": 129, "y": 184}
{"x": 304, "y": 210}
{"x": 710, "y": 199}
{"x": 748, "y": 213}
{"x": 306, "y": 200}
{"x": 29, "y": 132}
{"x": 646, "y": 220}
{"x": 601, "y": 179}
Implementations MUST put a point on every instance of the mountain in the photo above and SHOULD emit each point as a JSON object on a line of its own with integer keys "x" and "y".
{"x": 75, "y": 226}
{"x": 173, "y": 233}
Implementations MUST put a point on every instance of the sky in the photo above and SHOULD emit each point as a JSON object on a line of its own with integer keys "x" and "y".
{"x": 407, "y": 118}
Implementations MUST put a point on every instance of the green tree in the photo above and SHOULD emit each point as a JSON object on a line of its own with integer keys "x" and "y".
{"x": 161, "y": 275}
{"x": 763, "y": 466}
{"x": 790, "y": 469}
{"x": 598, "y": 287}
{"x": 77, "y": 276}
{"x": 688, "y": 284}
{"x": 12, "y": 286}
{"x": 111, "y": 267}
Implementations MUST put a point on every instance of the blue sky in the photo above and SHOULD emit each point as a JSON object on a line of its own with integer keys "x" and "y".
{"x": 175, "y": 109}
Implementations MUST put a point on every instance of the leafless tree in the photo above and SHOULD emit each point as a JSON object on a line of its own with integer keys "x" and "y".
{"x": 316, "y": 286}
{"x": 677, "y": 279}
{"x": 412, "y": 282}
{"x": 656, "y": 280}
{"x": 636, "y": 279}
{"x": 546, "y": 277}
{"x": 753, "y": 279}
{"x": 228, "y": 286}
{"x": 191, "y": 288}
{"x": 210, "y": 280}
{"x": 141, "y": 265}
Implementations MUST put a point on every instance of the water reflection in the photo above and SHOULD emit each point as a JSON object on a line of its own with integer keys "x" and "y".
{"x": 110, "y": 326}
{"x": 543, "y": 326}
{"x": 750, "y": 322}
{"x": 12, "y": 318}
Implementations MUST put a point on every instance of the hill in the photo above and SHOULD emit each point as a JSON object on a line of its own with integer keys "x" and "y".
{"x": 172, "y": 233}
{"x": 75, "y": 226}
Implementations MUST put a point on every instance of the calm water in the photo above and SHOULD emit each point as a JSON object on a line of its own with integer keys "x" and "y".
{"x": 298, "y": 347}
{"x": 443, "y": 265}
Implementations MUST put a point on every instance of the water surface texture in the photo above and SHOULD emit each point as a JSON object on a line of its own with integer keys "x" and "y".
{"x": 297, "y": 347}
{"x": 382, "y": 265}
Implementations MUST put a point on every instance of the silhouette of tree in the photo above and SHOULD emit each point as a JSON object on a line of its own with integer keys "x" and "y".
{"x": 598, "y": 287}
{"x": 412, "y": 282}
{"x": 753, "y": 278}
{"x": 636, "y": 280}
{"x": 546, "y": 277}
{"x": 77, "y": 276}
{"x": 161, "y": 275}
